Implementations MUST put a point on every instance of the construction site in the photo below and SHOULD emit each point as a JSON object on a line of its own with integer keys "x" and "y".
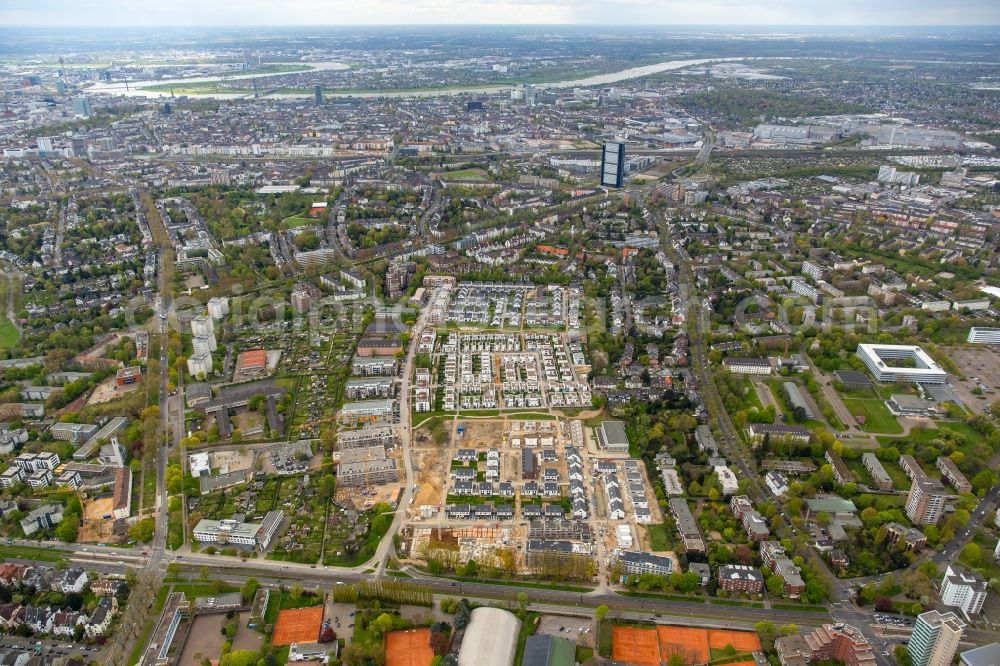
{"x": 458, "y": 545}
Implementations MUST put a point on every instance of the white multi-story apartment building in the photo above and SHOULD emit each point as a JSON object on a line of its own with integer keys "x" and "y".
{"x": 11, "y": 476}
{"x": 199, "y": 363}
{"x": 815, "y": 271}
{"x": 202, "y": 344}
{"x": 963, "y": 589}
{"x": 203, "y": 326}
{"x": 218, "y": 307}
{"x": 805, "y": 289}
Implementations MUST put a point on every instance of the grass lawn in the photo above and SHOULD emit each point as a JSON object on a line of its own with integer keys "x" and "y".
{"x": 192, "y": 590}
{"x": 465, "y": 174}
{"x": 31, "y": 553}
{"x": 527, "y": 629}
{"x": 664, "y": 596}
{"x": 281, "y": 654}
{"x": 523, "y": 583}
{"x": 925, "y": 435}
{"x": 147, "y": 628}
{"x": 431, "y": 419}
{"x": 721, "y": 654}
{"x": 657, "y": 537}
{"x": 273, "y": 606}
{"x": 751, "y": 399}
{"x": 899, "y": 479}
{"x": 296, "y": 221}
{"x": 877, "y": 415}
{"x": 886, "y": 391}
{"x": 800, "y": 607}
{"x": 971, "y": 435}
{"x": 736, "y": 602}
{"x": 9, "y": 335}
{"x": 604, "y": 639}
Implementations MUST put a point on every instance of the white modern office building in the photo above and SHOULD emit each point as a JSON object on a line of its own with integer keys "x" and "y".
{"x": 917, "y": 365}
{"x": 980, "y": 335}
{"x": 239, "y": 533}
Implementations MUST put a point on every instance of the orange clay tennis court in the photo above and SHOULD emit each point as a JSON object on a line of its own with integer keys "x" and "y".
{"x": 298, "y": 625}
{"x": 691, "y": 643}
{"x": 648, "y": 647}
{"x": 743, "y": 641}
{"x": 635, "y": 645}
{"x": 410, "y": 647}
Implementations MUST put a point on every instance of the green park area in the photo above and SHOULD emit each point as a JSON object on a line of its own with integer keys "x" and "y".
{"x": 9, "y": 335}
{"x": 877, "y": 417}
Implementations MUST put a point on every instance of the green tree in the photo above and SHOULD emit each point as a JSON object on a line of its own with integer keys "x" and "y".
{"x": 68, "y": 529}
{"x": 600, "y": 612}
{"x": 142, "y": 530}
{"x": 972, "y": 554}
{"x": 240, "y": 658}
{"x": 983, "y": 481}
{"x": 522, "y": 603}
{"x": 382, "y": 624}
{"x": 766, "y": 632}
{"x": 775, "y": 586}
{"x": 326, "y": 487}
{"x": 249, "y": 589}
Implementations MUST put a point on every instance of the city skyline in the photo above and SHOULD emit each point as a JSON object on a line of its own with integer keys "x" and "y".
{"x": 129, "y": 13}
{"x": 409, "y": 334}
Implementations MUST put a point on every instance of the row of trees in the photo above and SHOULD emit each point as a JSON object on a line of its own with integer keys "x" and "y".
{"x": 397, "y": 592}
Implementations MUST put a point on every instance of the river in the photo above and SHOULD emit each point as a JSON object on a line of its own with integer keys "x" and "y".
{"x": 135, "y": 88}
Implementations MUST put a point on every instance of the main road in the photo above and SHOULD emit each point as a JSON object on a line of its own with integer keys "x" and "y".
{"x": 405, "y": 439}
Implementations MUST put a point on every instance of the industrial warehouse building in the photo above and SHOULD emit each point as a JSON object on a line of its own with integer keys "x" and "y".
{"x": 543, "y": 650}
{"x": 490, "y": 639}
{"x": 612, "y": 437}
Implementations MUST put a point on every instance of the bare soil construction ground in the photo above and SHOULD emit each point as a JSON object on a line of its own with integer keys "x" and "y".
{"x": 95, "y": 527}
{"x": 106, "y": 391}
{"x": 431, "y": 470}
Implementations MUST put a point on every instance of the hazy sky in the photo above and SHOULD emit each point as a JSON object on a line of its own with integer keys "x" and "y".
{"x": 637, "y": 12}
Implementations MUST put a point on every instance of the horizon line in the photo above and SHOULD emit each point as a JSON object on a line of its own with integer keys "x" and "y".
{"x": 501, "y": 25}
